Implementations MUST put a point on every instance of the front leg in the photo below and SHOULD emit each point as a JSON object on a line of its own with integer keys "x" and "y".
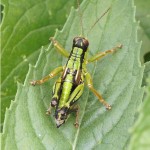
{"x": 59, "y": 47}
{"x": 102, "y": 54}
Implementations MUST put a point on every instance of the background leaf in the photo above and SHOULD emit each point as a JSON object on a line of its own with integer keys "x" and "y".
{"x": 118, "y": 77}
{"x": 141, "y": 131}
{"x": 143, "y": 15}
{"x": 26, "y": 26}
{"x": 146, "y": 73}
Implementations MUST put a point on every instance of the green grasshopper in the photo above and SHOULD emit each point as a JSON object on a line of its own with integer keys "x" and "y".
{"x": 70, "y": 85}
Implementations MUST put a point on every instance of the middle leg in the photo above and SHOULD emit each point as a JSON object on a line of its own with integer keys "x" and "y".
{"x": 51, "y": 75}
{"x": 90, "y": 85}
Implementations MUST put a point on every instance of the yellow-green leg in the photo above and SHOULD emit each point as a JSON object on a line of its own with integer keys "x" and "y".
{"x": 48, "y": 111}
{"x": 102, "y": 54}
{"x": 51, "y": 75}
{"x": 54, "y": 101}
{"x": 59, "y": 47}
{"x": 75, "y": 108}
{"x": 73, "y": 98}
{"x": 75, "y": 94}
{"x": 90, "y": 85}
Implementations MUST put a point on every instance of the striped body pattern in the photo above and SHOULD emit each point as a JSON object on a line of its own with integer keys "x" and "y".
{"x": 71, "y": 82}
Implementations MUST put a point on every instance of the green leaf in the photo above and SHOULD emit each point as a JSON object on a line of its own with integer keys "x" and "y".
{"x": 141, "y": 131}
{"x": 143, "y": 15}
{"x": 118, "y": 77}
{"x": 26, "y": 26}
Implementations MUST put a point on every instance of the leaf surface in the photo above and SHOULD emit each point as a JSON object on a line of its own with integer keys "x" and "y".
{"x": 146, "y": 75}
{"x": 143, "y": 16}
{"x": 26, "y": 26}
{"x": 117, "y": 77}
{"x": 141, "y": 130}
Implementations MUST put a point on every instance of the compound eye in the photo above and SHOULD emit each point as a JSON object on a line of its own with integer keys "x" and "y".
{"x": 75, "y": 39}
{"x": 86, "y": 42}
{"x": 53, "y": 102}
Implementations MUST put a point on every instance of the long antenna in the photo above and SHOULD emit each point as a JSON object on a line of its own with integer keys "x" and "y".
{"x": 98, "y": 20}
{"x": 81, "y": 23}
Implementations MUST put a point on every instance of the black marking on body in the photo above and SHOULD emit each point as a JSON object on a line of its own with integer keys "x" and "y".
{"x": 74, "y": 100}
{"x": 81, "y": 43}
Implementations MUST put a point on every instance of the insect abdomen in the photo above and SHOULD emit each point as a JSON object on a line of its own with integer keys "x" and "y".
{"x": 66, "y": 89}
{"x": 68, "y": 82}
